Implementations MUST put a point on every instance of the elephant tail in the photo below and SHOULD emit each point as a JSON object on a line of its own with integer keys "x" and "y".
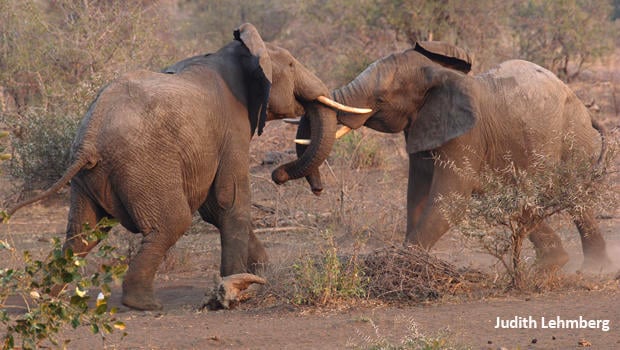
{"x": 78, "y": 165}
{"x": 600, "y": 163}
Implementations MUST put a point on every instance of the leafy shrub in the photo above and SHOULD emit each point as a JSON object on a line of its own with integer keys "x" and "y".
{"x": 42, "y": 151}
{"x": 50, "y": 305}
{"x": 3, "y": 157}
{"x": 327, "y": 278}
{"x": 358, "y": 151}
{"x": 513, "y": 201}
{"x": 55, "y": 56}
{"x": 563, "y": 35}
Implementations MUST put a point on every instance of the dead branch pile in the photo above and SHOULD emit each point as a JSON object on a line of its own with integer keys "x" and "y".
{"x": 412, "y": 274}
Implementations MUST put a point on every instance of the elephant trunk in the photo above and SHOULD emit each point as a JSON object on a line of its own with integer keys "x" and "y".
{"x": 314, "y": 177}
{"x": 322, "y": 130}
{"x": 354, "y": 94}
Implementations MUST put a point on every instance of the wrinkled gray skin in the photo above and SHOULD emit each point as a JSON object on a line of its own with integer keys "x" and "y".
{"x": 154, "y": 148}
{"x": 517, "y": 108}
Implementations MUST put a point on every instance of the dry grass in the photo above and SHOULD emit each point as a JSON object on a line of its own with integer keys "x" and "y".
{"x": 412, "y": 274}
{"x": 404, "y": 274}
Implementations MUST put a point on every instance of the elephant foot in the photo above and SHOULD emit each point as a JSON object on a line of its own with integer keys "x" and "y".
{"x": 552, "y": 259}
{"x": 141, "y": 301}
{"x": 597, "y": 264}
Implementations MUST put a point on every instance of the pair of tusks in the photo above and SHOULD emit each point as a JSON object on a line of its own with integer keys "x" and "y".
{"x": 339, "y": 133}
{"x": 331, "y": 103}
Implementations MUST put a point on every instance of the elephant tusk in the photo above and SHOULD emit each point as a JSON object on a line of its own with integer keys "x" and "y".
{"x": 340, "y": 133}
{"x": 331, "y": 103}
{"x": 302, "y": 141}
{"x": 295, "y": 121}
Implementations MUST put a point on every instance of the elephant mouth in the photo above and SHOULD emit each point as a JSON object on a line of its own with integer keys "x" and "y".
{"x": 343, "y": 130}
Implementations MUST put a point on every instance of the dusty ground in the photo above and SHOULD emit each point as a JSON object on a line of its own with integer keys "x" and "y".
{"x": 465, "y": 321}
{"x": 366, "y": 203}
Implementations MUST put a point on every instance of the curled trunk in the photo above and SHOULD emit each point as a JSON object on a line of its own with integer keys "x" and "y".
{"x": 322, "y": 129}
{"x": 314, "y": 177}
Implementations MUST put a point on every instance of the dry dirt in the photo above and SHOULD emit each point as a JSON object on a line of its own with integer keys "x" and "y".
{"x": 356, "y": 203}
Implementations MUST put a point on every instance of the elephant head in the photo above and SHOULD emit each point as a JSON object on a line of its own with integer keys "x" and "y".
{"x": 422, "y": 91}
{"x": 274, "y": 85}
{"x": 289, "y": 89}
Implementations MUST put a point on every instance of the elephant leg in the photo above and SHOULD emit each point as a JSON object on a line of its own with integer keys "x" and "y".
{"x": 432, "y": 223}
{"x": 228, "y": 208}
{"x": 241, "y": 250}
{"x": 168, "y": 218}
{"x": 82, "y": 211}
{"x": 550, "y": 253}
{"x": 418, "y": 186}
{"x": 592, "y": 242}
{"x": 257, "y": 255}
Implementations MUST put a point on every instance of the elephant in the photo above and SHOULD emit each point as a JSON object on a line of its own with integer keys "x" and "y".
{"x": 428, "y": 93}
{"x": 156, "y": 147}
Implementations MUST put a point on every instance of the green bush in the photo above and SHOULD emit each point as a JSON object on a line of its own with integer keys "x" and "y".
{"x": 42, "y": 151}
{"x": 50, "y": 305}
{"x": 327, "y": 278}
{"x": 513, "y": 201}
{"x": 3, "y": 157}
{"x": 563, "y": 35}
{"x": 358, "y": 151}
{"x": 54, "y": 58}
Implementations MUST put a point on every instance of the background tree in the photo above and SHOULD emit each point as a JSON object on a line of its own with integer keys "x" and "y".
{"x": 563, "y": 35}
{"x": 54, "y": 57}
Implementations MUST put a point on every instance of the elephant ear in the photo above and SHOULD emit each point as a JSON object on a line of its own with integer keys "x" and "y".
{"x": 447, "y": 112}
{"x": 447, "y": 55}
{"x": 260, "y": 74}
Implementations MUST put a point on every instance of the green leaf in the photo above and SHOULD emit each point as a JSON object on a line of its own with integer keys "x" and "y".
{"x": 4, "y": 245}
{"x": 81, "y": 293}
{"x": 101, "y": 308}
